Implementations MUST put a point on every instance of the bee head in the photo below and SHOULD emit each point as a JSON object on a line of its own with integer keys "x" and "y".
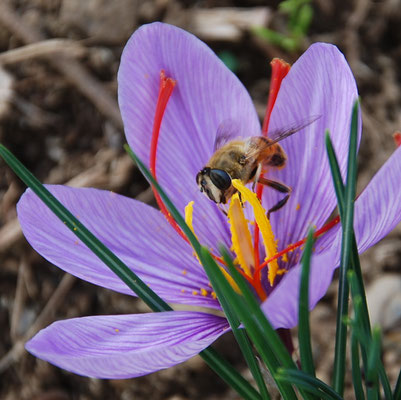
{"x": 214, "y": 182}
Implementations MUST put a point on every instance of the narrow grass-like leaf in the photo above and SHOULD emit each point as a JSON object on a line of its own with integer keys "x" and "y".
{"x": 373, "y": 359}
{"x": 340, "y": 189}
{"x": 364, "y": 336}
{"x": 346, "y": 248}
{"x": 241, "y": 336}
{"x": 355, "y": 263}
{"x": 397, "y": 389}
{"x": 363, "y": 333}
{"x": 335, "y": 173}
{"x": 214, "y": 360}
{"x": 247, "y": 351}
{"x": 356, "y": 368}
{"x": 305, "y": 347}
{"x": 384, "y": 381}
{"x": 303, "y": 380}
{"x": 256, "y": 312}
{"x": 252, "y": 311}
{"x": 261, "y": 342}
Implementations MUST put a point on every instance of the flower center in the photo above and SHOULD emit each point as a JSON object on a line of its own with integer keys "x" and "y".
{"x": 247, "y": 252}
{"x": 241, "y": 239}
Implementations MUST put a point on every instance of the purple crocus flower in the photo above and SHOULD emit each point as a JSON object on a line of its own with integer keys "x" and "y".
{"x": 206, "y": 95}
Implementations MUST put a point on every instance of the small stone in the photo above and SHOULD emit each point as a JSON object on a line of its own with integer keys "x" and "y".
{"x": 384, "y": 301}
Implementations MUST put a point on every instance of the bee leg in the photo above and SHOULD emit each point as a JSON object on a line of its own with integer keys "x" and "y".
{"x": 222, "y": 210}
{"x": 280, "y": 204}
{"x": 257, "y": 176}
{"x": 240, "y": 199}
{"x": 279, "y": 187}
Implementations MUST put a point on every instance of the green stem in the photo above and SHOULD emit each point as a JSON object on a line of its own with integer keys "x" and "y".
{"x": 215, "y": 361}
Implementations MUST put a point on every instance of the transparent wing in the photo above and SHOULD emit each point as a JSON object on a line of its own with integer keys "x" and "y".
{"x": 226, "y": 132}
{"x": 258, "y": 144}
{"x": 278, "y": 135}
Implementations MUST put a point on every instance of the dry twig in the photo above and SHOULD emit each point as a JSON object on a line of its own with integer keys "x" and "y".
{"x": 70, "y": 68}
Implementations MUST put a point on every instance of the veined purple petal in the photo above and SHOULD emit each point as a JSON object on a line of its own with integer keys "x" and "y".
{"x": 321, "y": 84}
{"x": 377, "y": 212}
{"x": 138, "y": 234}
{"x": 281, "y": 307}
{"x": 377, "y": 209}
{"x": 207, "y": 95}
{"x": 126, "y": 346}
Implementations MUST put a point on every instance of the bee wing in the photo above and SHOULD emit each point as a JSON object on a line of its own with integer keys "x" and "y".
{"x": 227, "y": 131}
{"x": 278, "y": 135}
{"x": 255, "y": 146}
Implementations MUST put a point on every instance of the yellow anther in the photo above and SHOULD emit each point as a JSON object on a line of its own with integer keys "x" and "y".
{"x": 284, "y": 257}
{"x": 184, "y": 272}
{"x": 195, "y": 292}
{"x": 214, "y": 295}
{"x": 189, "y": 211}
{"x": 298, "y": 206}
{"x": 240, "y": 235}
{"x": 264, "y": 226}
{"x": 117, "y": 330}
{"x": 230, "y": 280}
{"x": 204, "y": 292}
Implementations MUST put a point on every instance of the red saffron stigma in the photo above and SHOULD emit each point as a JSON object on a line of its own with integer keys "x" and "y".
{"x": 292, "y": 247}
{"x": 166, "y": 87}
{"x": 397, "y": 138}
{"x": 280, "y": 69}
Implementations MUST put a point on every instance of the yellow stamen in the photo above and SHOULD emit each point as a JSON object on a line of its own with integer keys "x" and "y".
{"x": 230, "y": 280}
{"x": 189, "y": 211}
{"x": 204, "y": 292}
{"x": 264, "y": 226}
{"x": 240, "y": 235}
{"x": 188, "y": 220}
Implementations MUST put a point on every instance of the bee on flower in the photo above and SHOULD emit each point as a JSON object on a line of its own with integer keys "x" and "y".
{"x": 175, "y": 134}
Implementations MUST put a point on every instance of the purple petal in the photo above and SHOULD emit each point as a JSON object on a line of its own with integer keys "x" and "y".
{"x": 126, "y": 346}
{"x": 138, "y": 234}
{"x": 377, "y": 212}
{"x": 377, "y": 209}
{"x": 207, "y": 95}
{"x": 281, "y": 307}
{"x": 319, "y": 83}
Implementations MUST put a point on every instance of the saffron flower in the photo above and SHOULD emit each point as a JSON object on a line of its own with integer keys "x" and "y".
{"x": 205, "y": 97}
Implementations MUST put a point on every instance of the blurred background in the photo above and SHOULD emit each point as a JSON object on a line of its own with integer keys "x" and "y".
{"x": 59, "y": 115}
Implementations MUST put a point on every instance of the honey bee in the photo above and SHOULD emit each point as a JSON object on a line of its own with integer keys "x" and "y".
{"x": 244, "y": 159}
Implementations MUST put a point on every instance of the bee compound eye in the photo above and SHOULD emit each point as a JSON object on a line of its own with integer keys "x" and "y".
{"x": 221, "y": 179}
